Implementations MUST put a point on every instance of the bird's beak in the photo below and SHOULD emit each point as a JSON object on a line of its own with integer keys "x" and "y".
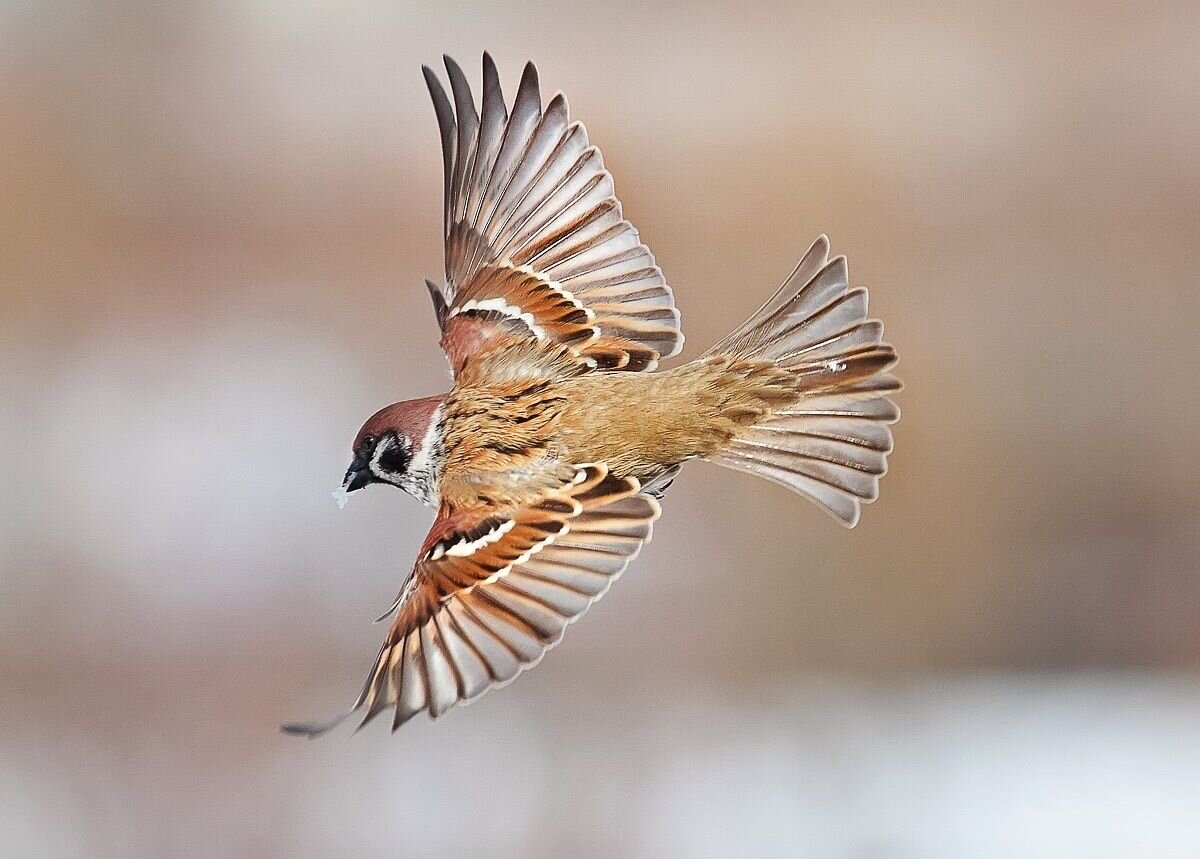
{"x": 357, "y": 476}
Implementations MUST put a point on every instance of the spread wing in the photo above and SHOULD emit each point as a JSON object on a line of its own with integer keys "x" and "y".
{"x": 536, "y": 243}
{"x": 492, "y": 591}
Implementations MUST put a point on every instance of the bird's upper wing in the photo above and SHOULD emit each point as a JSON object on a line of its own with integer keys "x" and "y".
{"x": 536, "y": 244}
{"x": 492, "y": 590}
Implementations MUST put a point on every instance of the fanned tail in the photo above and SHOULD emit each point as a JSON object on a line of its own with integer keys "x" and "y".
{"x": 831, "y": 443}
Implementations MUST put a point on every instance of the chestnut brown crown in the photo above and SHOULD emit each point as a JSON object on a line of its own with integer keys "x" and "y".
{"x": 398, "y": 445}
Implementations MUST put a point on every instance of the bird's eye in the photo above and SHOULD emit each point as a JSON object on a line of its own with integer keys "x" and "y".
{"x": 368, "y": 442}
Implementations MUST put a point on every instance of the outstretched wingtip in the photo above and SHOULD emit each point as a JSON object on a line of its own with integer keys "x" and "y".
{"x": 440, "y": 307}
{"x": 311, "y": 730}
{"x": 491, "y": 80}
{"x": 452, "y": 67}
{"x": 529, "y": 78}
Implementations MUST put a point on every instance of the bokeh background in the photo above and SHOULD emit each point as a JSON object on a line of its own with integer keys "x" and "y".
{"x": 214, "y": 222}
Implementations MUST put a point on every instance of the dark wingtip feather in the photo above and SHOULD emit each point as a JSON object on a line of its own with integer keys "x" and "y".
{"x": 375, "y": 710}
{"x": 529, "y": 83}
{"x": 432, "y": 82}
{"x": 441, "y": 105}
{"x": 493, "y": 93}
{"x": 402, "y": 718}
{"x": 440, "y": 308}
{"x": 312, "y": 730}
{"x": 458, "y": 80}
{"x": 527, "y": 106}
{"x": 464, "y": 103}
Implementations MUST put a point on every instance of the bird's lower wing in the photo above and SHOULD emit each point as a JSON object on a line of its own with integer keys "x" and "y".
{"x": 492, "y": 592}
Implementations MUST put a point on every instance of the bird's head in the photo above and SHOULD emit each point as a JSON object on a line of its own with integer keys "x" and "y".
{"x": 400, "y": 445}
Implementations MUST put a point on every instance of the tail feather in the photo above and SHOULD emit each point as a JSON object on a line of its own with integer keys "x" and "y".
{"x": 831, "y": 442}
{"x": 834, "y": 499}
{"x": 803, "y": 275}
{"x": 840, "y": 318}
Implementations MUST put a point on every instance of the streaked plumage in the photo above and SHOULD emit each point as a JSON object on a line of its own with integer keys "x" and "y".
{"x": 546, "y": 458}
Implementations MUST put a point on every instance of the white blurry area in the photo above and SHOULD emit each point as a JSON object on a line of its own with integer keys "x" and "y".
{"x": 1052, "y": 766}
{"x": 215, "y": 220}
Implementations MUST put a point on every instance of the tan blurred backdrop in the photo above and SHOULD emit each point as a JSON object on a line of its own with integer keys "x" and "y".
{"x": 214, "y": 222}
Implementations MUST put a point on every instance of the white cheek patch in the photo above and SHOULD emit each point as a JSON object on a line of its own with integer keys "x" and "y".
{"x": 421, "y": 480}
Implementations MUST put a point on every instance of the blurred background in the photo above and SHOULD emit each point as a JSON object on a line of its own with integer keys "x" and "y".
{"x": 214, "y": 222}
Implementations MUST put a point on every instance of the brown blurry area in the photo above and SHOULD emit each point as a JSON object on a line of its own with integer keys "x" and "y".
{"x": 214, "y": 222}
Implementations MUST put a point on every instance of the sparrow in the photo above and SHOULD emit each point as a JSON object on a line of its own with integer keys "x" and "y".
{"x": 547, "y": 458}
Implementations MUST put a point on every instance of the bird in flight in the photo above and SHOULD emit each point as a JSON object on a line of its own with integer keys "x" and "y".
{"x": 546, "y": 459}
